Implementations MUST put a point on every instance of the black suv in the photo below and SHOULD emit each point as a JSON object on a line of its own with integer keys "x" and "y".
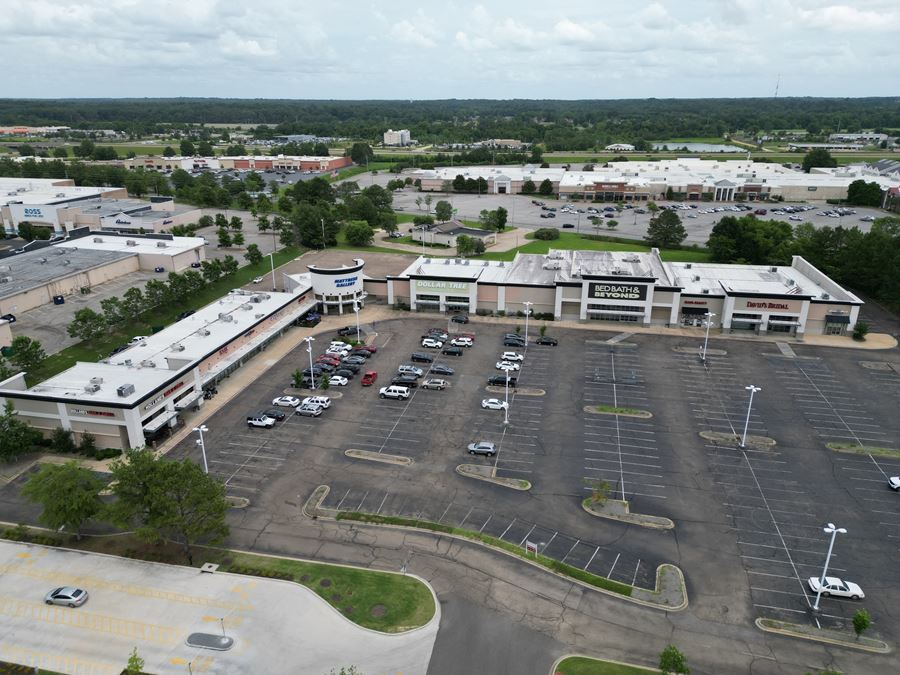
{"x": 452, "y": 351}
{"x": 421, "y": 358}
{"x": 500, "y": 381}
{"x": 544, "y": 340}
{"x": 513, "y": 342}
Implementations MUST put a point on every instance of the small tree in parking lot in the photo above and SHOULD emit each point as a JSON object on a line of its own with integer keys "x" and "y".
{"x": 543, "y": 330}
{"x": 860, "y": 330}
{"x": 861, "y": 622}
{"x": 673, "y": 661}
{"x": 324, "y": 382}
{"x": 599, "y": 491}
{"x": 297, "y": 377}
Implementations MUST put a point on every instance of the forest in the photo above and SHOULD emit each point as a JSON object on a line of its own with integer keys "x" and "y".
{"x": 558, "y": 124}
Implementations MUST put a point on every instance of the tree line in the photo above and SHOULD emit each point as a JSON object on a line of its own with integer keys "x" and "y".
{"x": 572, "y": 125}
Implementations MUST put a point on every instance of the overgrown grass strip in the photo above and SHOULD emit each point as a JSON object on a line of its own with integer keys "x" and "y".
{"x": 856, "y": 449}
{"x": 549, "y": 563}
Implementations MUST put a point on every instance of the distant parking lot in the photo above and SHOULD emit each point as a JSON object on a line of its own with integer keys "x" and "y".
{"x": 761, "y": 510}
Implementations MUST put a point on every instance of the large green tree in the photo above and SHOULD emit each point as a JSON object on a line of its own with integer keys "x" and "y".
{"x": 818, "y": 157}
{"x": 358, "y": 233}
{"x": 16, "y": 437}
{"x": 751, "y": 241}
{"x": 443, "y": 211}
{"x": 168, "y": 499}
{"x": 861, "y": 193}
{"x": 68, "y": 493}
{"x": 546, "y": 187}
{"x": 27, "y": 353}
{"x": 86, "y": 324}
{"x": 253, "y": 254}
{"x": 361, "y": 153}
{"x": 665, "y": 230}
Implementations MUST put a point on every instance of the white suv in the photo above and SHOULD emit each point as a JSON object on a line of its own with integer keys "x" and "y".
{"x": 394, "y": 391}
{"x": 319, "y": 401}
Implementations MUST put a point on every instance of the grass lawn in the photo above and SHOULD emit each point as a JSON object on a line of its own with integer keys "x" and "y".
{"x": 342, "y": 245}
{"x": 581, "y": 665}
{"x": 357, "y": 170}
{"x": 161, "y": 316}
{"x": 570, "y": 241}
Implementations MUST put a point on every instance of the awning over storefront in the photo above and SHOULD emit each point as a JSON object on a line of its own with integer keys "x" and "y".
{"x": 159, "y": 421}
{"x": 837, "y": 318}
{"x": 186, "y": 401}
{"x": 781, "y": 322}
{"x": 740, "y": 320}
{"x": 613, "y": 311}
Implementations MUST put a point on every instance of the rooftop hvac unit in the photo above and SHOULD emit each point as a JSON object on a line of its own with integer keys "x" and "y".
{"x": 62, "y": 251}
{"x": 130, "y": 242}
{"x": 161, "y": 244}
{"x": 226, "y": 318}
{"x": 148, "y": 364}
{"x": 43, "y": 261}
{"x": 256, "y": 298}
{"x": 60, "y": 194}
{"x": 696, "y": 277}
{"x": 203, "y": 332}
{"x": 687, "y": 266}
{"x": 92, "y": 388}
{"x": 705, "y": 291}
{"x": 486, "y": 263}
{"x": 773, "y": 269}
{"x": 125, "y": 390}
{"x": 66, "y": 262}
{"x": 5, "y": 280}
{"x": 96, "y": 380}
{"x": 128, "y": 362}
{"x": 825, "y": 296}
{"x": 246, "y": 306}
{"x": 177, "y": 348}
{"x": 258, "y": 315}
{"x": 447, "y": 261}
{"x": 98, "y": 240}
{"x": 790, "y": 282}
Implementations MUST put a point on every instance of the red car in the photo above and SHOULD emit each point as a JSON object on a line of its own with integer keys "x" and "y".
{"x": 372, "y": 349}
{"x": 369, "y": 378}
{"x": 327, "y": 359}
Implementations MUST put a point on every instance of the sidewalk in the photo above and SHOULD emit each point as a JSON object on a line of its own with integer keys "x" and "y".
{"x": 506, "y": 241}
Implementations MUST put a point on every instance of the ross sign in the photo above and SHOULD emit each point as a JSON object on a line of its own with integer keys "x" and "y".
{"x": 30, "y": 212}
{"x": 442, "y": 285}
{"x": 604, "y": 291}
{"x": 33, "y": 213}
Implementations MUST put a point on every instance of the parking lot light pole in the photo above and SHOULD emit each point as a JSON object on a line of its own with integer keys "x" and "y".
{"x": 506, "y": 399}
{"x": 528, "y": 305}
{"x": 752, "y": 389}
{"x": 312, "y": 373}
{"x": 356, "y": 310}
{"x": 272, "y": 258}
{"x": 709, "y": 318}
{"x": 202, "y": 445}
{"x": 833, "y": 531}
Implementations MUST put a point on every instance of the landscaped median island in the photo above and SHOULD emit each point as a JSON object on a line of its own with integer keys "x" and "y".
{"x": 857, "y": 449}
{"x": 618, "y": 509}
{"x": 810, "y": 632}
{"x": 383, "y": 457}
{"x": 584, "y": 665}
{"x": 618, "y": 410}
{"x": 381, "y": 601}
{"x": 489, "y": 475}
{"x": 753, "y": 442}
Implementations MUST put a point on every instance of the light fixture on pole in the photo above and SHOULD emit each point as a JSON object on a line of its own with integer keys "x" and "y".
{"x": 202, "y": 445}
{"x": 528, "y": 305}
{"x": 709, "y": 318}
{"x": 356, "y": 311}
{"x": 312, "y": 373}
{"x": 833, "y": 531}
{"x": 752, "y": 389}
{"x": 272, "y": 259}
{"x": 322, "y": 220}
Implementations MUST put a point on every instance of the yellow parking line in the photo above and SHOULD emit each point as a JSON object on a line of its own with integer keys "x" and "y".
{"x": 57, "y": 662}
{"x": 56, "y": 578}
{"x": 98, "y": 623}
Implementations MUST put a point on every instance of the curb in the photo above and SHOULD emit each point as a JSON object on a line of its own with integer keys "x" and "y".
{"x": 634, "y": 518}
{"x": 368, "y": 455}
{"x": 639, "y": 414}
{"x": 520, "y": 392}
{"x": 555, "y": 666}
{"x": 753, "y": 442}
{"x": 885, "y": 649}
{"x": 502, "y": 482}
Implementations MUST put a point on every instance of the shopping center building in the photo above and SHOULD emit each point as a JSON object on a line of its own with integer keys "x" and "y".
{"x": 636, "y": 288}
{"x": 134, "y": 397}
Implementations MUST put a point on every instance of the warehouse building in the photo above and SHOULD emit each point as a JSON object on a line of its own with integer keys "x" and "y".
{"x": 633, "y": 288}
{"x": 137, "y": 396}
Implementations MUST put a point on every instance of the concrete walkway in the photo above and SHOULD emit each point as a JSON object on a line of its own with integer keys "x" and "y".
{"x": 506, "y": 241}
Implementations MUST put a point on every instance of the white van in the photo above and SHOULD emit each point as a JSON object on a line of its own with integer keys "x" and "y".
{"x": 394, "y": 391}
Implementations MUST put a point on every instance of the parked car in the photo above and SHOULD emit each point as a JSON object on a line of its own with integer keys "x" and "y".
{"x": 260, "y": 420}
{"x": 512, "y": 356}
{"x": 405, "y": 381}
{"x": 431, "y": 343}
{"x": 486, "y": 448}
{"x": 421, "y": 357}
{"x": 408, "y": 369}
{"x": 494, "y": 404}
{"x": 368, "y": 379}
{"x": 136, "y": 339}
{"x": 544, "y": 340}
{"x": 357, "y": 353}
{"x": 159, "y": 269}
{"x": 434, "y": 383}
{"x": 358, "y": 360}
{"x": 185, "y": 314}
{"x": 394, "y": 391}
{"x": 346, "y": 330}
{"x": 9, "y": 317}
{"x": 309, "y": 411}
{"x": 66, "y": 595}
{"x": 513, "y": 342}
{"x": 501, "y": 381}
{"x": 257, "y": 280}
{"x": 286, "y": 401}
{"x": 506, "y": 365}
{"x": 436, "y": 334}
{"x": 441, "y": 369}
{"x": 344, "y": 372}
{"x": 459, "y": 318}
{"x": 836, "y": 587}
{"x": 321, "y": 401}
{"x": 196, "y": 265}
{"x": 274, "y": 413}
{"x": 330, "y": 359}
{"x": 894, "y": 482}
{"x": 461, "y": 342}
{"x": 372, "y": 349}
{"x": 452, "y": 351}
{"x": 338, "y": 381}
{"x": 326, "y": 367}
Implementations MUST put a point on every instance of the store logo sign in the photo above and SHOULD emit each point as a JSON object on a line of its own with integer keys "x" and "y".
{"x": 345, "y": 282}
{"x": 617, "y": 292}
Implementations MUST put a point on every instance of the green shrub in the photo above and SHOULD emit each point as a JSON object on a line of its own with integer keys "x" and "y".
{"x": 61, "y": 440}
{"x": 546, "y": 233}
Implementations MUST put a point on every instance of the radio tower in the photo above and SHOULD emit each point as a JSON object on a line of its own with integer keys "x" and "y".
{"x": 777, "y": 84}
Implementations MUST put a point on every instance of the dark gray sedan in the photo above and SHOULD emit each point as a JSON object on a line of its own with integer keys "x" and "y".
{"x": 441, "y": 369}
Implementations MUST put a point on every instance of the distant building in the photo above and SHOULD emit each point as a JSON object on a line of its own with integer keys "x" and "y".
{"x": 400, "y": 137}
{"x": 503, "y": 143}
{"x": 620, "y": 147}
{"x": 863, "y": 138}
{"x": 30, "y": 131}
{"x": 445, "y": 234}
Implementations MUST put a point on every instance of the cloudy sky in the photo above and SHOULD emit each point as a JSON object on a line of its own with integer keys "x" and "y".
{"x": 397, "y": 49}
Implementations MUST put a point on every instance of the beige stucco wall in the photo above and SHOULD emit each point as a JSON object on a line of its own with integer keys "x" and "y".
{"x": 5, "y": 334}
{"x": 544, "y": 299}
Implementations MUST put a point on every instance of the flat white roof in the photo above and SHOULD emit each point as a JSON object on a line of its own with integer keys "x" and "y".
{"x": 102, "y": 241}
{"x": 160, "y": 357}
{"x": 43, "y": 191}
{"x": 464, "y": 269}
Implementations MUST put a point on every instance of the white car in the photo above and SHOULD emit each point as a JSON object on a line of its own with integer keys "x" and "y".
{"x": 432, "y": 343}
{"x": 286, "y": 401}
{"x": 836, "y": 587}
{"x": 894, "y": 482}
{"x": 338, "y": 351}
{"x": 257, "y": 280}
{"x": 511, "y": 356}
{"x": 507, "y": 365}
{"x": 795, "y": 218}
{"x": 494, "y": 404}
{"x": 338, "y": 381}
{"x": 136, "y": 339}
{"x": 321, "y": 401}
{"x": 462, "y": 342}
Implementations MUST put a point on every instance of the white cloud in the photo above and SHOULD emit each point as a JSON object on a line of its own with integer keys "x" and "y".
{"x": 655, "y": 17}
{"x": 409, "y": 34}
{"x": 474, "y": 43}
{"x": 234, "y": 45}
{"x": 572, "y": 32}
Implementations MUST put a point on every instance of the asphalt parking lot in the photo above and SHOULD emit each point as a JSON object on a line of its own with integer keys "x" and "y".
{"x": 154, "y": 608}
{"x": 748, "y": 522}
